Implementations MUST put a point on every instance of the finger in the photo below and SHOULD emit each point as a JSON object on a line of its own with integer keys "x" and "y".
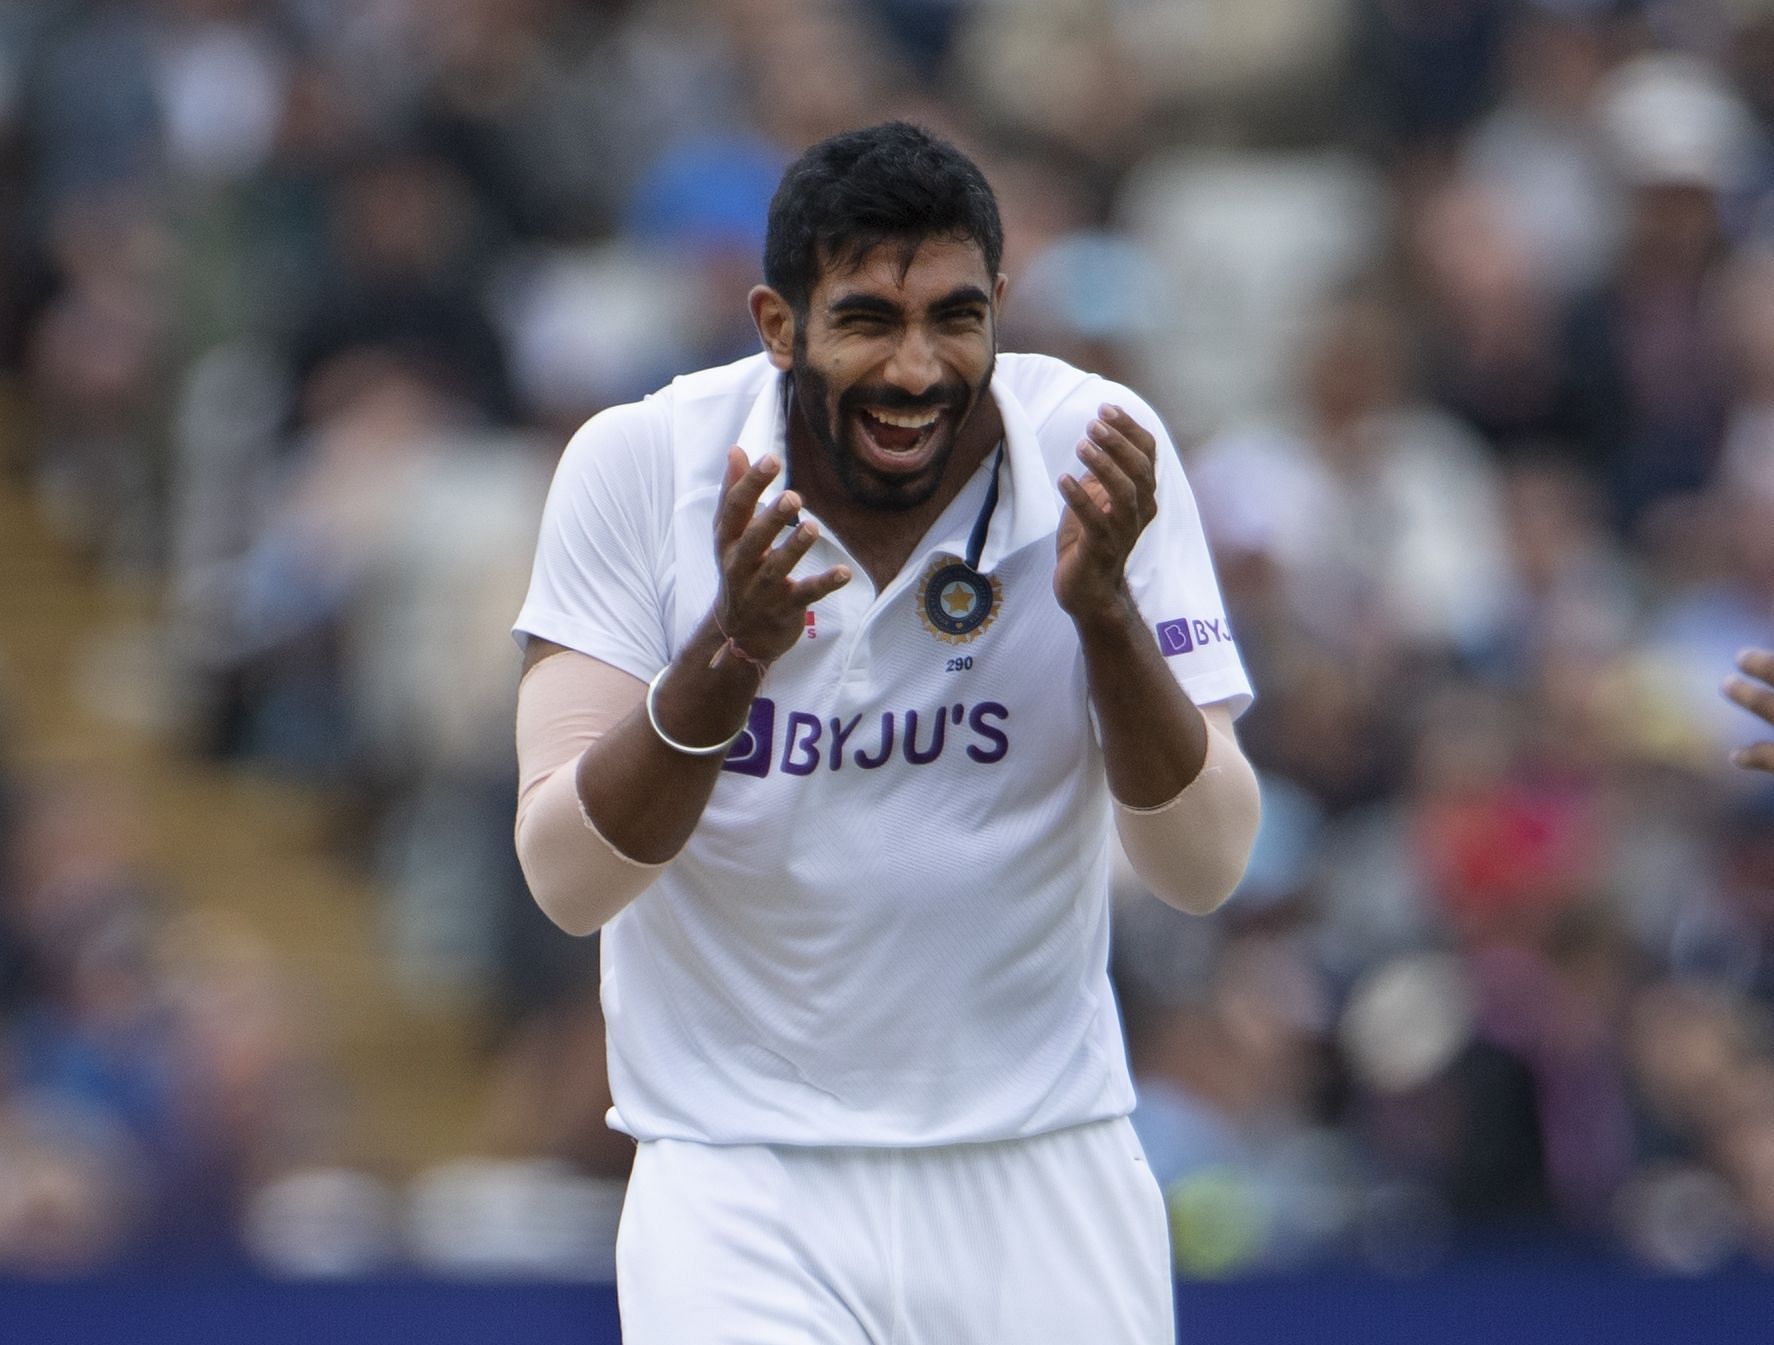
{"x": 781, "y": 560}
{"x": 740, "y": 494}
{"x": 1138, "y": 461}
{"x": 1757, "y": 663}
{"x": 1755, "y": 757}
{"x": 737, "y": 465}
{"x": 1091, "y": 509}
{"x": 1130, "y": 446}
{"x": 761, "y": 533}
{"x": 1137, "y": 434}
{"x": 1756, "y": 697}
{"x": 1088, "y": 491}
{"x": 806, "y": 592}
{"x": 1122, "y": 490}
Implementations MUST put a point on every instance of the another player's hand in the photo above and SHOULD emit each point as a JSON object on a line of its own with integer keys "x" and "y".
{"x": 1754, "y": 692}
{"x": 1105, "y": 512}
{"x": 759, "y": 606}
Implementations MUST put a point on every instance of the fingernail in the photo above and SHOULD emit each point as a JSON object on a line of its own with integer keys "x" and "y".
{"x": 1738, "y": 757}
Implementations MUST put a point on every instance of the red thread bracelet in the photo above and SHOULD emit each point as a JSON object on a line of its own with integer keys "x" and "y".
{"x": 732, "y": 647}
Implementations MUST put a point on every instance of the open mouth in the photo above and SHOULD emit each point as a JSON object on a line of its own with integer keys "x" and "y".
{"x": 899, "y": 441}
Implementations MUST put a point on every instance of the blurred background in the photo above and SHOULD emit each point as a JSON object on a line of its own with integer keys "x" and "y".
{"x": 1461, "y": 310}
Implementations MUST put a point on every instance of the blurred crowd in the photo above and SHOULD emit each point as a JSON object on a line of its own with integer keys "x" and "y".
{"x": 156, "y": 1062}
{"x": 1461, "y": 310}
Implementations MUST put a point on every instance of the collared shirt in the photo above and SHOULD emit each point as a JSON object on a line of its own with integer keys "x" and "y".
{"x": 890, "y": 926}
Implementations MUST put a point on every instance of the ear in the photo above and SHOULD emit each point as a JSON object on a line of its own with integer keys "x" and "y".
{"x": 998, "y": 289}
{"x": 774, "y": 318}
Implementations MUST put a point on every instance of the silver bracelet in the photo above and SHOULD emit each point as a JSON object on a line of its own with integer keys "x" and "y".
{"x": 653, "y": 719}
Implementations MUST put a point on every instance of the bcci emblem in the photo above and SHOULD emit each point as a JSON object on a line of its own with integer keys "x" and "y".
{"x": 957, "y": 603}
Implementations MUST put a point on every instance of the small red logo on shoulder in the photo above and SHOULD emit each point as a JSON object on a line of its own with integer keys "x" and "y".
{"x": 812, "y": 625}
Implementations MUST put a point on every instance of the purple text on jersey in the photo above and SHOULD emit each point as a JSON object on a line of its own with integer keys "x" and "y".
{"x": 919, "y": 738}
{"x": 1182, "y": 635}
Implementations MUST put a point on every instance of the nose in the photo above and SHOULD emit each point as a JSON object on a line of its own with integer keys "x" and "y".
{"x": 913, "y": 367}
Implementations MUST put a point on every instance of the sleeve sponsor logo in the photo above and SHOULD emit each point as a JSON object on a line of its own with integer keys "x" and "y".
{"x": 1181, "y": 635}
{"x": 810, "y": 743}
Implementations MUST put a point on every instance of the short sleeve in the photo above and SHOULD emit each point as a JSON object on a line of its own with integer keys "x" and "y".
{"x": 600, "y": 573}
{"x": 1172, "y": 579}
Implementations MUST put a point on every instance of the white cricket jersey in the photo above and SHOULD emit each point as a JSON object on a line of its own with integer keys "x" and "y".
{"x": 891, "y": 924}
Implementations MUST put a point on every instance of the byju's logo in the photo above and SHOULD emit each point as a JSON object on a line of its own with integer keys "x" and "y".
{"x": 1182, "y": 635}
{"x": 750, "y": 754}
{"x": 811, "y": 742}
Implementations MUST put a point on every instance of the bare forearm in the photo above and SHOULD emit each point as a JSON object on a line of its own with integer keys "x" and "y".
{"x": 611, "y": 787}
{"x": 587, "y": 859}
{"x": 645, "y": 797}
{"x": 641, "y": 792}
{"x": 1187, "y": 805}
{"x": 1187, "y": 815}
{"x": 1154, "y": 739}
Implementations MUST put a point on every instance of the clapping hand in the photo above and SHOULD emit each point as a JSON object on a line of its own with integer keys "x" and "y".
{"x": 760, "y": 608}
{"x": 1106, "y": 512}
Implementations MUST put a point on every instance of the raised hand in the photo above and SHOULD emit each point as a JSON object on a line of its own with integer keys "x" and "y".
{"x": 759, "y": 607}
{"x": 1754, "y": 691}
{"x": 1105, "y": 512}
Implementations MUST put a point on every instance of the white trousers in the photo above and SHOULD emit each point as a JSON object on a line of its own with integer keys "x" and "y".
{"x": 1058, "y": 1239}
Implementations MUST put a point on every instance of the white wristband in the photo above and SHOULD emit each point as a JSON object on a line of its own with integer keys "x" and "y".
{"x": 653, "y": 719}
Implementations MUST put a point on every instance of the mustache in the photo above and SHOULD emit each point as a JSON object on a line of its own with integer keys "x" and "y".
{"x": 945, "y": 396}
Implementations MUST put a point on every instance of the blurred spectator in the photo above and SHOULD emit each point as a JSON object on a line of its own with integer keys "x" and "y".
{"x": 1426, "y": 69}
{"x": 1042, "y": 71}
{"x": 1492, "y": 328}
{"x": 404, "y": 228}
{"x": 1645, "y": 351}
{"x": 1255, "y": 244}
{"x": 373, "y": 416}
{"x": 95, "y": 369}
{"x": 1449, "y": 1109}
{"x": 1384, "y": 514}
{"x": 1093, "y": 299}
{"x": 156, "y": 1070}
{"x": 1541, "y": 154}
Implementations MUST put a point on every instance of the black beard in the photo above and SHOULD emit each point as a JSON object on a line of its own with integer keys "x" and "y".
{"x": 868, "y": 488}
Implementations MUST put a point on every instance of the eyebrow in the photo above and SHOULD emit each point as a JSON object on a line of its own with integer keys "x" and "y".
{"x": 965, "y": 296}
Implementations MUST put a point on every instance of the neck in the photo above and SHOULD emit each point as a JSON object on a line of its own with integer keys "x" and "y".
{"x": 882, "y": 540}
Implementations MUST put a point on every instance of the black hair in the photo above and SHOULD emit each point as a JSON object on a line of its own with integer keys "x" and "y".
{"x": 853, "y": 192}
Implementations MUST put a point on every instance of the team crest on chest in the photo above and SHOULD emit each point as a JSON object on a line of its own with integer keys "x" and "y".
{"x": 956, "y": 602}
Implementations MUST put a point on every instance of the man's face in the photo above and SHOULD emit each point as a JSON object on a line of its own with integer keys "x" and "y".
{"x": 892, "y": 359}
